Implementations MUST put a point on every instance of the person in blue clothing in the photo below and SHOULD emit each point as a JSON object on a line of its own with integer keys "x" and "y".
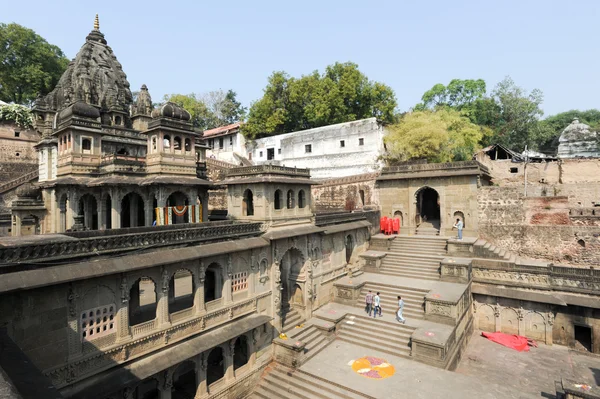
{"x": 459, "y": 226}
{"x": 400, "y": 310}
{"x": 377, "y": 303}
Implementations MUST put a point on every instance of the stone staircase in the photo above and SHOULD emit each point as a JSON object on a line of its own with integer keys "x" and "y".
{"x": 414, "y": 299}
{"x": 376, "y": 334}
{"x": 484, "y": 249}
{"x": 279, "y": 382}
{"x": 415, "y": 257}
{"x": 314, "y": 339}
{"x": 291, "y": 319}
{"x": 428, "y": 228}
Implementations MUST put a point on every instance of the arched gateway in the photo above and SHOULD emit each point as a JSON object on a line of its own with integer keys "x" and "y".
{"x": 428, "y": 206}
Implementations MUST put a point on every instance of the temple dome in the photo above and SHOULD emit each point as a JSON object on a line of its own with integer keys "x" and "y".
{"x": 171, "y": 110}
{"x": 94, "y": 76}
{"x": 578, "y": 140}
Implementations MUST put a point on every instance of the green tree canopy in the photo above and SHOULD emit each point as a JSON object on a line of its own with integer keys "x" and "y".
{"x": 341, "y": 94}
{"x": 212, "y": 109}
{"x": 29, "y": 65}
{"x": 443, "y": 135}
{"x": 459, "y": 94}
{"x": 550, "y": 129}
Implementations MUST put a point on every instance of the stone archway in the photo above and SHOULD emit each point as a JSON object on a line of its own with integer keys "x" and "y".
{"x": 428, "y": 206}
{"x": 293, "y": 280}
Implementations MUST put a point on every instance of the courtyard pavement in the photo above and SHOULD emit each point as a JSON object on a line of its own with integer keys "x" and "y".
{"x": 487, "y": 370}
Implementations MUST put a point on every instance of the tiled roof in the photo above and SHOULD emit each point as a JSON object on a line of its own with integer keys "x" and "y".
{"x": 222, "y": 130}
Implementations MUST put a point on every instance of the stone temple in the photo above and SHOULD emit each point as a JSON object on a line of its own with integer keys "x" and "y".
{"x": 128, "y": 288}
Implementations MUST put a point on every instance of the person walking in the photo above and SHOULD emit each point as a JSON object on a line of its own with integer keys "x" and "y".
{"x": 377, "y": 302}
{"x": 459, "y": 226}
{"x": 369, "y": 302}
{"x": 400, "y": 310}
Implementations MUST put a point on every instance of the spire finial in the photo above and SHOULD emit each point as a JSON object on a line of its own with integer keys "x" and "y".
{"x": 96, "y": 23}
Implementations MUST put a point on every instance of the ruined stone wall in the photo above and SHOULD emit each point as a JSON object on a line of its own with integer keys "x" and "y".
{"x": 537, "y": 227}
{"x": 346, "y": 193}
{"x": 16, "y": 144}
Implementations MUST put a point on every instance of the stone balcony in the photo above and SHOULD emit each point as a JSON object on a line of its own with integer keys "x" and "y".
{"x": 268, "y": 170}
{"x": 76, "y": 245}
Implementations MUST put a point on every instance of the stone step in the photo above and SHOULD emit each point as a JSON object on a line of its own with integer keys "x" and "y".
{"x": 393, "y": 288}
{"x": 375, "y": 342}
{"x": 391, "y": 306}
{"x": 360, "y": 327}
{"x": 315, "y": 348}
{"x": 419, "y": 244}
{"x": 416, "y": 260}
{"x": 409, "y": 275}
{"x": 413, "y": 296}
{"x": 412, "y": 269}
{"x": 410, "y": 265}
{"x": 313, "y": 386}
{"x": 424, "y": 256}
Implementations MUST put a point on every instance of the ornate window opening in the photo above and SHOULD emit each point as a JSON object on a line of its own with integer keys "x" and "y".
{"x": 240, "y": 281}
{"x": 248, "y": 203}
{"x": 277, "y": 199}
{"x": 177, "y": 143}
{"x": 301, "y": 199}
{"x": 142, "y": 301}
{"x": 86, "y": 145}
{"x": 181, "y": 291}
{"x": 97, "y": 322}
{"x": 188, "y": 145}
{"x": 153, "y": 143}
{"x": 167, "y": 141}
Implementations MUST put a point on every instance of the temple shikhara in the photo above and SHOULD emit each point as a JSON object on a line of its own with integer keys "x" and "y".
{"x": 141, "y": 258}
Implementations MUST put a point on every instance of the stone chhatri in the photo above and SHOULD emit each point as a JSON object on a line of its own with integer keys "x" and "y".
{"x": 578, "y": 140}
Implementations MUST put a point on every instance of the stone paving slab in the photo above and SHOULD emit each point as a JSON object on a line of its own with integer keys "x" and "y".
{"x": 533, "y": 372}
{"x": 411, "y": 380}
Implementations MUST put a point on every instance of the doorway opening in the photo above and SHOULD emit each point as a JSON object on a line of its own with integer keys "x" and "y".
{"x": 270, "y": 154}
{"x": 583, "y": 338}
{"x": 428, "y": 205}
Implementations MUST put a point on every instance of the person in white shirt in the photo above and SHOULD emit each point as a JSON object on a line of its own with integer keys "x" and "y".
{"x": 459, "y": 226}
{"x": 400, "y": 310}
{"x": 377, "y": 303}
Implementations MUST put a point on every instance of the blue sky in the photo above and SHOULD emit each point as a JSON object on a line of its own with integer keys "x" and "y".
{"x": 197, "y": 46}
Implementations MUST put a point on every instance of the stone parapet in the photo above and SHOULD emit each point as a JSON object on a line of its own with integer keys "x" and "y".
{"x": 571, "y": 389}
{"x": 267, "y": 169}
{"x": 462, "y": 248}
{"x": 456, "y": 270}
{"x": 380, "y": 242}
{"x": 324, "y": 219}
{"x": 288, "y": 352}
{"x": 372, "y": 259}
{"x": 347, "y": 290}
{"x": 447, "y": 305}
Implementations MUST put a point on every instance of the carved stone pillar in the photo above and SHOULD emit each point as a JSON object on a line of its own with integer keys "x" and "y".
{"x": 123, "y": 312}
{"x": 252, "y": 346}
{"x": 163, "y": 300}
{"x": 202, "y": 366}
{"x": 229, "y": 351}
{"x": 73, "y": 209}
{"x": 166, "y": 387}
{"x": 16, "y": 225}
{"x": 199, "y": 294}
{"x": 149, "y": 211}
{"x": 252, "y": 276}
{"x": 115, "y": 212}
{"x": 497, "y": 310}
{"x": 102, "y": 214}
{"x": 227, "y": 288}
{"x": 74, "y": 338}
{"x": 549, "y": 327}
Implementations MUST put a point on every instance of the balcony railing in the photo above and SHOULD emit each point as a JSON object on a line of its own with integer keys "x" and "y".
{"x": 109, "y": 241}
{"x": 325, "y": 219}
{"x": 268, "y": 169}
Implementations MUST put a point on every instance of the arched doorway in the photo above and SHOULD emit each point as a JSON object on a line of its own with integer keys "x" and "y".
{"x": 248, "y": 203}
{"x": 399, "y": 215}
{"x": 142, "y": 301}
{"x": 88, "y": 208}
{"x": 184, "y": 380}
{"x": 181, "y": 291}
{"x": 461, "y": 216}
{"x": 147, "y": 389}
{"x": 240, "y": 352}
{"x": 179, "y": 200}
{"x": 216, "y": 366}
{"x": 349, "y": 247}
{"x": 132, "y": 211}
{"x": 428, "y": 206}
{"x": 293, "y": 279}
{"x": 213, "y": 283}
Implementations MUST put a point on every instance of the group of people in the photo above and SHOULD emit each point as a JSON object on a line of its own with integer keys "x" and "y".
{"x": 373, "y": 305}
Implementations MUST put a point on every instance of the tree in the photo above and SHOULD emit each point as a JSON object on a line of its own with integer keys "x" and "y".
{"x": 459, "y": 94}
{"x": 341, "y": 94}
{"x": 519, "y": 115}
{"x": 29, "y": 65}
{"x": 210, "y": 110}
{"x": 550, "y": 129}
{"x": 443, "y": 135}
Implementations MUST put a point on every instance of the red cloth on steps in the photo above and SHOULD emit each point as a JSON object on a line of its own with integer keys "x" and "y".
{"x": 516, "y": 342}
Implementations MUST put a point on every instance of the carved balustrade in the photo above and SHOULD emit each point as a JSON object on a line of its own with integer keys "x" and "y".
{"x": 339, "y": 217}
{"x": 268, "y": 169}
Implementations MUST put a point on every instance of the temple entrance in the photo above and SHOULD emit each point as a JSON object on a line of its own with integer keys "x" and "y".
{"x": 180, "y": 214}
{"x": 292, "y": 279}
{"x": 349, "y": 247}
{"x": 428, "y": 206}
{"x": 88, "y": 208}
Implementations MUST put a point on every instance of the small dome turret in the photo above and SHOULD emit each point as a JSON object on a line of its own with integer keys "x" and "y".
{"x": 171, "y": 110}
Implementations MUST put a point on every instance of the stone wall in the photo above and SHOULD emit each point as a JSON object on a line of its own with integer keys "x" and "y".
{"x": 346, "y": 193}
{"x": 16, "y": 144}
{"x": 537, "y": 227}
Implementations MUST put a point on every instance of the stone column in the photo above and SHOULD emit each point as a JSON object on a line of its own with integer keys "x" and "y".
{"x": 165, "y": 390}
{"x": 123, "y": 312}
{"x": 252, "y": 276}
{"x": 16, "y": 225}
{"x": 162, "y": 308}
{"x": 227, "y": 288}
{"x": 73, "y": 210}
{"x": 497, "y": 310}
{"x": 74, "y": 338}
{"x": 199, "y": 293}
{"x": 202, "y": 366}
{"x": 252, "y": 343}
{"x": 102, "y": 214}
{"x": 115, "y": 210}
{"x": 549, "y": 327}
{"x": 149, "y": 212}
{"x": 229, "y": 351}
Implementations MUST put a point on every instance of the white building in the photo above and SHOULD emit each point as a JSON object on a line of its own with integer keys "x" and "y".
{"x": 226, "y": 143}
{"x": 339, "y": 150}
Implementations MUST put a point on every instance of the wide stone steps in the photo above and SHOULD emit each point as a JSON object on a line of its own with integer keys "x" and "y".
{"x": 413, "y": 300}
{"x": 313, "y": 338}
{"x": 292, "y": 319}
{"x": 282, "y": 383}
{"x": 409, "y": 274}
{"x": 376, "y": 334}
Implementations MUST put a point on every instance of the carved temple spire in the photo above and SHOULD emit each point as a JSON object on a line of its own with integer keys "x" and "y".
{"x": 96, "y": 23}
{"x": 143, "y": 103}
